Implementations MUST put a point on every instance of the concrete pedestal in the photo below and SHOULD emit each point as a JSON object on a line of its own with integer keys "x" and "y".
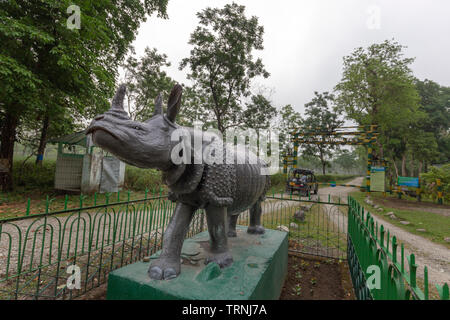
{"x": 257, "y": 273}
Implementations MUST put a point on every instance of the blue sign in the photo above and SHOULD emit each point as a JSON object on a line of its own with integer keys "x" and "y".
{"x": 408, "y": 182}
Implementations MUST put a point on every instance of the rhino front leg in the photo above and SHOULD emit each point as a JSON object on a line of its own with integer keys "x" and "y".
{"x": 217, "y": 228}
{"x": 168, "y": 265}
{"x": 255, "y": 226}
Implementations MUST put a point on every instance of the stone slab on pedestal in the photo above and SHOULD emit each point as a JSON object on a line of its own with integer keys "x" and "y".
{"x": 257, "y": 273}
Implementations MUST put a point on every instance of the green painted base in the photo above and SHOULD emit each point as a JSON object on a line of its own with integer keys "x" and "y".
{"x": 257, "y": 273}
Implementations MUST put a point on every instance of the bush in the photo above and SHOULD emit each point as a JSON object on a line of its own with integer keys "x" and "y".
{"x": 428, "y": 182}
{"x": 278, "y": 180}
{"x": 139, "y": 179}
{"x": 28, "y": 176}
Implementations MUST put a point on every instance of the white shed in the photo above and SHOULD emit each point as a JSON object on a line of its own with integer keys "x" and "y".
{"x": 82, "y": 167}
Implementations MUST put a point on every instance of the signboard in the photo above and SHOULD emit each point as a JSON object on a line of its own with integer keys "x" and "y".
{"x": 377, "y": 179}
{"x": 408, "y": 182}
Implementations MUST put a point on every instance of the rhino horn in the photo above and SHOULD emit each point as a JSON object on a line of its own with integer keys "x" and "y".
{"x": 117, "y": 102}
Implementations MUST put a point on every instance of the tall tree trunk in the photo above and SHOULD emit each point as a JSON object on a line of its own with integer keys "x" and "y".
{"x": 412, "y": 166}
{"x": 43, "y": 140}
{"x": 404, "y": 165}
{"x": 8, "y": 138}
{"x": 420, "y": 167}
{"x": 323, "y": 162}
{"x": 395, "y": 167}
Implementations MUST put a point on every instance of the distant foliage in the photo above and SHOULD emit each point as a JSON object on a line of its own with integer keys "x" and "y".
{"x": 140, "y": 179}
{"x": 429, "y": 186}
{"x": 27, "y": 176}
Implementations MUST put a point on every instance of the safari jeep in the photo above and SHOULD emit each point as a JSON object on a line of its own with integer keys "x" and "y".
{"x": 303, "y": 181}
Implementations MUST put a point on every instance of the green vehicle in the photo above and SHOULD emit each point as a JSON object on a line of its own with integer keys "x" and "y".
{"x": 303, "y": 181}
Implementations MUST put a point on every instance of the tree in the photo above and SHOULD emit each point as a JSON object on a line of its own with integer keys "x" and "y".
{"x": 221, "y": 63}
{"x": 145, "y": 79}
{"x": 259, "y": 113}
{"x": 348, "y": 161}
{"x": 435, "y": 102}
{"x": 288, "y": 121}
{"x": 258, "y": 116}
{"x": 319, "y": 116}
{"x": 377, "y": 87}
{"x": 47, "y": 68}
{"x": 194, "y": 102}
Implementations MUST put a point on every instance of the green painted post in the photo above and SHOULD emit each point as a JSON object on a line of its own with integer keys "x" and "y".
{"x": 66, "y": 200}
{"x": 402, "y": 266}
{"x": 412, "y": 270}
{"x": 47, "y": 204}
{"x": 28, "y": 206}
{"x": 394, "y": 249}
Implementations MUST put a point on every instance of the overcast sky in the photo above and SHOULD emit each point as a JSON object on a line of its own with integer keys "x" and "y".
{"x": 305, "y": 41}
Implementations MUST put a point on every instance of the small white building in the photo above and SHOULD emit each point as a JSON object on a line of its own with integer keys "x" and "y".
{"x": 83, "y": 167}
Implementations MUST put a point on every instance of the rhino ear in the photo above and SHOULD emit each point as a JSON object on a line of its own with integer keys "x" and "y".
{"x": 173, "y": 106}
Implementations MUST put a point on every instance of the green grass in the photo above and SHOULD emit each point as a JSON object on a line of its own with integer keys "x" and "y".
{"x": 37, "y": 183}
{"x": 437, "y": 226}
{"x": 18, "y": 207}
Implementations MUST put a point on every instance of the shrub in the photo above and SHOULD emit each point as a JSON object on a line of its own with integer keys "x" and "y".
{"x": 428, "y": 182}
{"x": 28, "y": 176}
{"x": 139, "y": 179}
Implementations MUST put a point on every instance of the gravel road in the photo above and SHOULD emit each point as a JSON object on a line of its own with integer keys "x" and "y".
{"x": 435, "y": 256}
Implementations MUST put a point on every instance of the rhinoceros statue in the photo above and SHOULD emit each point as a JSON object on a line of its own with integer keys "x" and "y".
{"x": 223, "y": 190}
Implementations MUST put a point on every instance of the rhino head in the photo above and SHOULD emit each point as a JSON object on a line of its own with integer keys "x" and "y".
{"x": 141, "y": 144}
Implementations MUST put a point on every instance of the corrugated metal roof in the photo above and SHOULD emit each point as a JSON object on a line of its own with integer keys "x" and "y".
{"x": 77, "y": 138}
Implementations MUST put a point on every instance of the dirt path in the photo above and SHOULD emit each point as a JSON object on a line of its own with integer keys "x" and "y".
{"x": 435, "y": 256}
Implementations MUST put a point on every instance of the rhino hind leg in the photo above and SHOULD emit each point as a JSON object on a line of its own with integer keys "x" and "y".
{"x": 168, "y": 265}
{"x": 255, "y": 226}
{"x": 217, "y": 228}
{"x": 232, "y": 226}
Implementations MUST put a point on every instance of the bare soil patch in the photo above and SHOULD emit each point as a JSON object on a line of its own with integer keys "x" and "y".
{"x": 316, "y": 278}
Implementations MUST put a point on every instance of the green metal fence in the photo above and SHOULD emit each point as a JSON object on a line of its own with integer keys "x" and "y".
{"x": 35, "y": 251}
{"x": 317, "y": 225}
{"x": 371, "y": 248}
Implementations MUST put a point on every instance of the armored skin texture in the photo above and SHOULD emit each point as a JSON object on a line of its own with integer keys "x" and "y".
{"x": 224, "y": 189}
